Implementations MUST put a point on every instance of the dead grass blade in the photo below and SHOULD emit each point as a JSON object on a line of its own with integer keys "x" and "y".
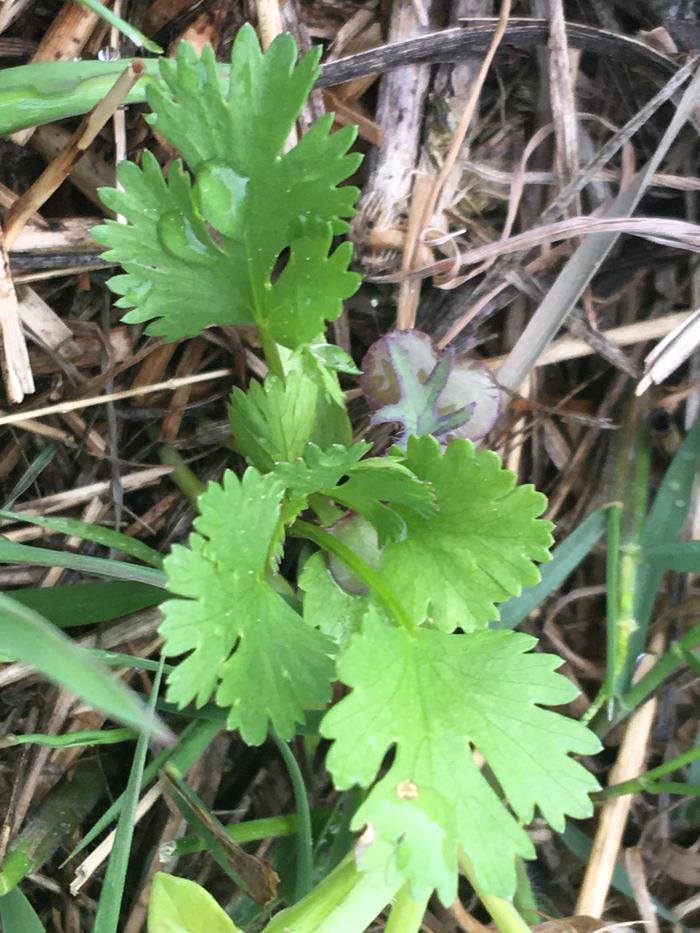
{"x": 495, "y": 280}
{"x": 671, "y": 352}
{"x": 666, "y": 231}
{"x": 16, "y": 368}
{"x": 562, "y": 95}
{"x": 614, "y": 813}
{"x": 584, "y": 263}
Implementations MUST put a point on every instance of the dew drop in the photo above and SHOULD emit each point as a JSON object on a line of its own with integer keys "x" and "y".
{"x": 108, "y": 54}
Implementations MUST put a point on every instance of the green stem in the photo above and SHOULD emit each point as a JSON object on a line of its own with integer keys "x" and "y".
{"x": 305, "y": 843}
{"x": 71, "y": 739}
{"x": 347, "y": 900}
{"x": 647, "y": 781}
{"x": 613, "y": 595}
{"x": 666, "y": 787}
{"x": 406, "y": 915}
{"x": 270, "y": 827}
{"x": 624, "y": 553}
{"x": 525, "y": 900}
{"x": 668, "y": 663}
{"x": 367, "y": 574}
{"x": 189, "y": 484}
{"x": 271, "y": 353}
{"x": 503, "y": 913}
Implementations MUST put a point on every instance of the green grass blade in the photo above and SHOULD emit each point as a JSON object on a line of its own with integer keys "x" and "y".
{"x": 26, "y": 636}
{"x": 87, "y": 603}
{"x": 58, "y": 817}
{"x": 270, "y": 827}
{"x": 683, "y": 557}
{"x": 17, "y": 915}
{"x": 33, "y": 471}
{"x": 109, "y": 907}
{"x": 31, "y": 95}
{"x": 192, "y": 742}
{"x": 71, "y": 739}
{"x": 663, "y": 527}
{"x": 89, "y": 531}
{"x": 305, "y": 842}
{"x": 13, "y": 553}
{"x": 131, "y": 32}
{"x": 648, "y": 781}
{"x": 565, "y": 559}
{"x": 118, "y": 659}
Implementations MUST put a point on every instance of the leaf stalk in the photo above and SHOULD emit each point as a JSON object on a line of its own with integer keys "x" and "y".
{"x": 367, "y": 574}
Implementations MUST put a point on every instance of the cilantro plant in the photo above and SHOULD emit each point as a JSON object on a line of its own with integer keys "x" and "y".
{"x": 442, "y": 723}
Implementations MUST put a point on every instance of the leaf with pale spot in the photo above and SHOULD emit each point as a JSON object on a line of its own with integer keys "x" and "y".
{"x": 432, "y": 698}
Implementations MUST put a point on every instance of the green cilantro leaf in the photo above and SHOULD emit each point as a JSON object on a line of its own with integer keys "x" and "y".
{"x": 269, "y": 665}
{"x": 372, "y": 487}
{"x": 273, "y": 421}
{"x": 477, "y": 548}
{"x": 432, "y": 698}
{"x": 334, "y": 357}
{"x": 385, "y": 492}
{"x": 326, "y": 606}
{"x": 204, "y": 254}
{"x": 320, "y": 470}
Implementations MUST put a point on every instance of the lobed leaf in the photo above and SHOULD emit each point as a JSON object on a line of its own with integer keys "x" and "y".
{"x": 373, "y": 487}
{"x": 244, "y": 640}
{"x": 479, "y": 546}
{"x": 326, "y": 606}
{"x": 274, "y": 421}
{"x": 318, "y": 469}
{"x": 432, "y": 698}
{"x": 205, "y": 254}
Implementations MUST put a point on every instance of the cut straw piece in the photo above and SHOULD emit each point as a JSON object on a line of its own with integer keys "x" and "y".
{"x": 572, "y": 348}
{"x": 95, "y": 859}
{"x": 60, "y": 408}
{"x": 16, "y": 368}
{"x": 671, "y": 352}
{"x": 69, "y": 498}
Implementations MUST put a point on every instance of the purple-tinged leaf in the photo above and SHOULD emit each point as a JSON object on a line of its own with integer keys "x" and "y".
{"x": 408, "y": 381}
